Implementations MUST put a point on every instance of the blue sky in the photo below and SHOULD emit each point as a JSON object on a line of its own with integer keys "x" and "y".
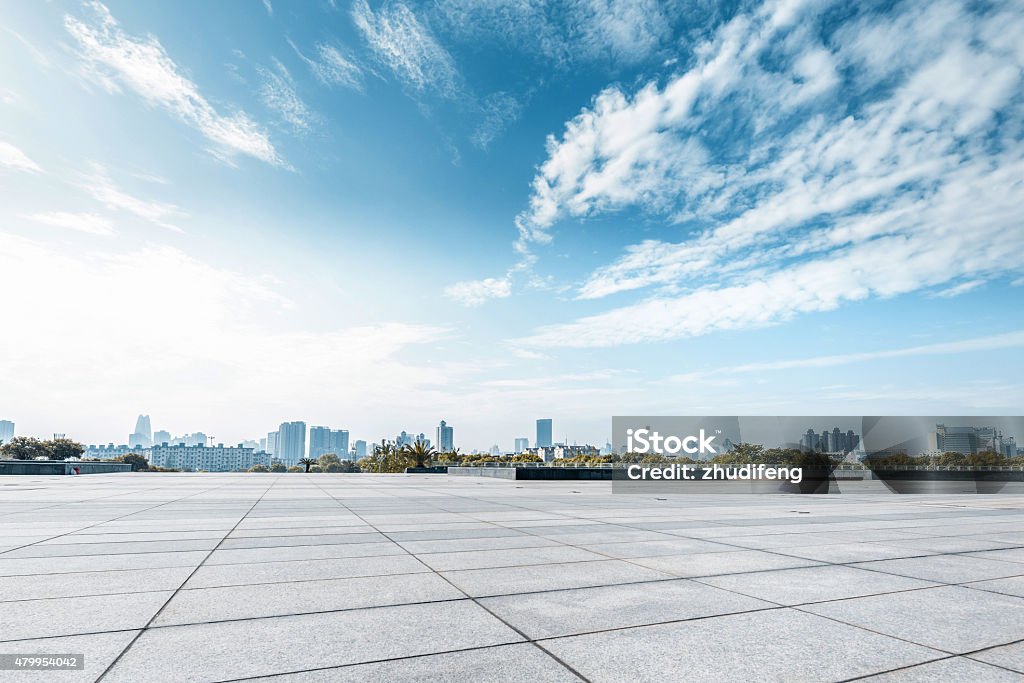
{"x": 377, "y": 215}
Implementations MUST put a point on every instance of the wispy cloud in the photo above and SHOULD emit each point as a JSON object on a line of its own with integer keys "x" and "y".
{"x": 269, "y": 7}
{"x": 476, "y": 292}
{"x": 404, "y": 43}
{"x": 332, "y": 66}
{"x": 957, "y": 290}
{"x": 13, "y": 157}
{"x": 1010, "y": 340}
{"x": 103, "y": 189}
{"x": 819, "y": 190}
{"x": 499, "y": 110}
{"x": 116, "y": 59}
{"x": 82, "y": 222}
{"x": 278, "y": 92}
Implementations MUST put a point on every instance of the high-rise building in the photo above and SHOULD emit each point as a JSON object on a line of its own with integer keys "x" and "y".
{"x": 291, "y": 442}
{"x": 522, "y": 443}
{"x": 360, "y": 448}
{"x": 263, "y": 445}
{"x": 445, "y": 437}
{"x": 271, "y": 443}
{"x": 324, "y": 440}
{"x": 969, "y": 440}
{"x": 544, "y": 433}
{"x": 161, "y": 437}
{"x": 6, "y": 431}
{"x": 404, "y": 439}
{"x": 143, "y": 434}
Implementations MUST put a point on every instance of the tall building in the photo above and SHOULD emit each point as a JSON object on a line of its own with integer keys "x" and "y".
{"x": 445, "y": 438}
{"x": 143, "y": 434}
{"x": 161, "y": 437}
{"x": 404, "y": 439}
{"x": 360, "y": 448}
{"x": 271, "y": 443}
{"x": 544, "y": 433}
{"x": 291, "y": 442}
{"x": 324, "y": 440}
{"x": 969, "y": 440}
{"x": 522, "y": 443}
{"x": 6, "y": 431}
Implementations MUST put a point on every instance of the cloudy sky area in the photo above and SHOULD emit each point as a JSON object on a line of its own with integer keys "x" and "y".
{"x": 376, "y": 215}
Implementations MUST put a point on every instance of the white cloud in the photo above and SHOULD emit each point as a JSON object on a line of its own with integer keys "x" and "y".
{"x": 269, "y": 7}
{"x": 333, "y": 67}
{"x": 12, "y": 157}
{"x": 103, "y": 189}
{"x": 115, "y": 59}
{"x": 957, "y": 290}
{"x": 278, "y": 92}
{"x": 158, "y": 328}
{"x": 799, "y": 204}
{"x": 82, "y": 222}
{"x": 477, "y": 292}
{"x": 405, "y": 44}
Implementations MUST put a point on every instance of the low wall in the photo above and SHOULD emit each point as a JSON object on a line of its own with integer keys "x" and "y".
{"x": 439, "y": 469}
{"x": 535, "y": 473}
{"x": 61, "y": 467}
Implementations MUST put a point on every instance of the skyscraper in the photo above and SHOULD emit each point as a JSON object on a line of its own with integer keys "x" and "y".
{"x": 544, "y": 433}
{"x": 6, "y": 431}
{"x": 291, "y": 442}
{"x": 445, "y": 437}
{"x": 360, "y": 448}
{"x": 272, "y": 443}
{"x": 324, "y": 440}
{"x": 143, "y": 434}
{"x": 161, "y": 437}
{"x": 522, "y": 443}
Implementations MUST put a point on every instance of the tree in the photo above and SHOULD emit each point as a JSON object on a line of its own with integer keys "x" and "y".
{"x": 138, "y": 463}
{"x": 294, "y": 468}
{"x": 952, "y": 459}
{"x": 329, "y": 462}
{"x": 278, "y": 467}
{"x": 258, "y": 468}
{"x": 62, "y": 449}
{"x": 420, "y": 453}
{"x": 25, "y": 448}
{"x": 985, "y": 458}
{"x": 307, "y": 463}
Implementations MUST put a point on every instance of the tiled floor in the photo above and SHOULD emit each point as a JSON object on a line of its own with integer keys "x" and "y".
{"x": 210, "y": 577}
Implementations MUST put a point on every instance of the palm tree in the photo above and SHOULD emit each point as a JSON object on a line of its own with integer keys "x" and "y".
{"x": 420, "y": 452}
{"x": 308, "y": 462}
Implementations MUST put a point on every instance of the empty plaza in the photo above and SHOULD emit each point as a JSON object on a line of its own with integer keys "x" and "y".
{"x": 358, "y": 577}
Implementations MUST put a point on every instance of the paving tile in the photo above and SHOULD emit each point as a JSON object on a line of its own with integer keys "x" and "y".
{"x": 677, "y": 546}
{"x": 309, "y": 552}
{"x": 712, "y": 564}
{"x": 209, "y": 576}
{"x": 1011, "y": 586}
{"x": 946, "y": 568}
{"x": 280, "y": 599}
{"x": 239, "y": 649}
{"x": 949, "y": 618}
{"x": 840, "y": 553}
{"x": 560, "y": 613}
{"x": 507, "y": 558}
{"x": 27, "y": 619}
{"x": 93, "y": 549}
{"x": 98, "y": 563}
{"x": 463, "y": 544}
{"x": 951, "y": 669}
{"x": 774, "y": 645}
{"x": 1008, "y": 656}
{"x": 814, "y": 584}
{"x": 38, "y": 586}
{"x": 508, "y": 580}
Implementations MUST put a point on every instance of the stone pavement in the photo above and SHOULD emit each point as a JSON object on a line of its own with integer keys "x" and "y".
{"x": 215, "y": 577}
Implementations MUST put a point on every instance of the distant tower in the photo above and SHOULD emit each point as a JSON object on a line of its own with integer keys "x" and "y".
{"x": 544, "y": 433}
{"x": 143, "y": 434}
{"x": 291, "y": 442}
{"x": 445, "y": 437}
{"x": 6, "y": 431}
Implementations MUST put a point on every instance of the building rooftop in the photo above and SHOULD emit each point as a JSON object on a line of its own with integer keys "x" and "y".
{"x": 214, "y": 577}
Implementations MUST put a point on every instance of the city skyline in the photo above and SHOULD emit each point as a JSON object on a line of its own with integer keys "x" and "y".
{"x": 391, "y": 212}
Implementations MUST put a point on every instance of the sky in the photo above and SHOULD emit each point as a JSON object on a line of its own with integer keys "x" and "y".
{"x": 374, "y": 216}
